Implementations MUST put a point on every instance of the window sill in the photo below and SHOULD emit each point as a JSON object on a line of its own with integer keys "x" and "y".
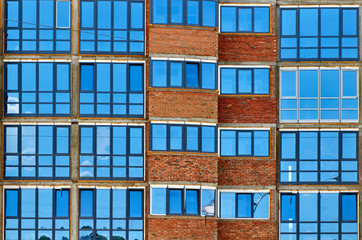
{"x": 183, "y": 27}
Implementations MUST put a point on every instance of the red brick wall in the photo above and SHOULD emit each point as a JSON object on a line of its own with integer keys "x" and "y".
{"x": 182, "y": 104}
{"x": 182, "y": 228}
{"x": 249, "y": 109}
{"x": 182, "y": 40}
{"x": 249, "y": 47}
{"x": 182, "y": 168}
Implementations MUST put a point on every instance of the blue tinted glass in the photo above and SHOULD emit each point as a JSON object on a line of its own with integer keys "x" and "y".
{"x": 159, "y": 137}
{"x": 329, "y": 83}
{"x": 136, "y": 15}
{"x": 136, "y": 78}
{"x": 192, "y": 75}
{"x": 227, "y": 205}
{"x": 119, "y": 203}
{"x": 102, "y": 203}
{"x": 261, "y": 19}
{"x": 28, "y": 76}
{"x": 308, "y": 22}
{"x": 28, "y": 203}
{"x": 176, "y": 74}
{"x": 159, "y": 11}
{"x": 13, "y": 13}
{"x": 120, "y": 14}
{"x": 308, "y": 147}
{"x": 207, "y": 202}
{"x": 176, "y": 11}
{"x": 245, "y": 81}
{"x": 308, "y": 207}
{"x": 86, "y": 203}
{"x": 46, "y": 16}
{"x": 119, "y": 140}
{"x": 175, "y": 201}
{"x": 308, "y": 83}
{"x": 209, "y": 13}
{"x": 192, "y": 138}
{"x": 28, "y": 140}
{"x": 244, "y": 205}
{"x": 135, "y": 204}
{"x": 261, "y": 205}
{"x": 329, "y": 22}
{"x": 62, "y": 77}
{"x": 228, "y": 143}
{"x": 329, "y": 207}
{"x": 103, "y": 140}
{"x": 119, "y": 77}
{"x": 159, "y": 73}
{"x": 192, "y": 201}
{"x": 329, "y": 145}
{"x": 136, "y": 138}
{"x": 349, "y": 21}
{"x": 87, "y": 14}
{"x": 261, "y": 143}
{"x": 288, "y": 211}
{"x": 11, "y": 140}
{"x": 104, "y": 13}
{"x": 175, "y": 137}
{"x": 11, "y": 203}
{"x": 62, "y": 203}
{"x": 208, "y": 139}
{"x": 12, "y": 76}
{"x": 244, "y": 143}
{"x": 30, "y": 14}
{"x": 192, "y": 12}
{"x": 349, "y": 145}
{"x": 261, "y": 81}
{"x": 103, "y": 77}
{"x": 228, "y": 81}
{"x": 288, "y": 22}
{"x": 289, "y": 84}
{"x": 63, "y": 16}
{"x": 45, "y": 203}
{"x": 45, "y": 140}
{"x": 86, "y": 140}
{"x": 208, "y": 75}
{"x": 86, "y": 80}
{"x": 245, "y": 19}
{"x": 349, "y": 83}
{"x": 158, "y": 200}
{"x": 349, "y": 207}
{"x": 45, "y": 77}
{"x": 228, "y": 19}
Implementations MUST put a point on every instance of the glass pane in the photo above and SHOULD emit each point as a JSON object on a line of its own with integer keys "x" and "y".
{"x": 86, "y": 203}
{"x": 103, "y": 201}
{"x": 45, "y": 204}
{"x": 330, "y": 83}
{"x": 261, "y": 81}
{"x": 11, "y": 139}
{"x": 28, "y": 203}
{"x": 329, "y": 145}
{"x": 28, "y": 76}
{"x": 103, "y": 77}
{"x": 45, "y": 138}
{"x": 288, "y": 210}
{"x": 176, "y": 11}
{"x": 192, "y": 12}
{"x": 308, "y": 83}
{"x": 244, "y": 144}
{"x": 86, "y": 77}
{"x": 228, "y": 143}
{"x": 175, "y": 201}
{"x": 135, "y": 140}
{"x": 244, "y": 205}
{"x": 136, "y": 15}
{"x": 192, "y": 202}
{"x": 11, "y": 203}
{"x": 62, "y": 203}
{"x": 245, "y": 81}
{"x": 289, "y": 83}
{"x": 136, "y": 78}
{"x": 87, "y": 18}
{"x": 245, "y": 19}
{"x": 192, "y": 138}
{"x": 13, "y": 13}
{"x": 329, "y": 21}
{"x": 350, "y": 19}
{"x": 29, "y": 14}
{"x": 288, "y": 143}
{"x": 261, "y": 205}
{"x": 135, "y": 204}
{"x": 119, "y": 204}
{"x": 208, "y": 139}
{"x": 228, "y": 19}
{"x": 120, "y": 15}
{"x": 158, "y": 200}
{"x": 349, "y": 207}
{"x": 308, "y": 145}
{"x": 228, "y": 81}
{"x": 208, "y": 75}
{"x": 261, "y": 19}
{"x": 349, "y": 83}
{"x": 176, "y": 74}
{"x": 349, "y": 145}
{"x": 308, "y": 206}
{"x": 175, "y": 137}
{"x": 159, "y": 11}
{"x": 227, "y": 205}
{"x": 86, "y": 140}
{"x": 192, "y": 75}
{"x": 104, "y": 14}
{"x": 329, "y": 207}
{"x": 261, "y": 143}
{"x": 159, "y": 74}
{"x": 12, "y": 76}
{"x": 62, "y": 77}
{"x": 103, "y": 140}
{"x": 159, "y": 137}
{"x": 208, "y": 202}
{"x": 308, "y": 22}
{"x": 119, "y": 140}
{"x": 28, "y": 140}
{"x": 288, "y": 22}
{"x": 63, "y": 16}
{"x": 209, "y": 13}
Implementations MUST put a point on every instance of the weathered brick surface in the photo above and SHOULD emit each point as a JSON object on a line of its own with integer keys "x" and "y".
{"x": 183, "y": 104}
{"x": 182, "y": 228}
{"x": 182, "y": 168}
{"x": 182, "y": 40}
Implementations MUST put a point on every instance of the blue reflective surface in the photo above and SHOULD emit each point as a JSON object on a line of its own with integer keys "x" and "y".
{"x": 158, "y": 200}
{"x": 192, "y": 201}
{"x": 175, "y": 201}
{"x": 244, "y": 205}
{"x": 86, "y": 203}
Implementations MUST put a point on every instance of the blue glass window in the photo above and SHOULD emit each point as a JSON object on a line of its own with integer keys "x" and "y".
{"x": 177, "y": 74}
{"x": 244, "y": 205}
{"x": 318, "y": 215}
{"x": 322, "y": 157}
{"x": 320, "y": 98}
{"x": 37, "y": 152}
{"x": 185, "y": 201}
{"x": 37, "y": 89}
{"x": 244, "y": 81}
{"x": 111, "y": 214}
{"x": 245, "y": 19}
{"x": 184, "y": 12}
{"x": 319, "y": 34}
{"x": 112, "y": 27}
{"x": 37, "y": 26}
{"x": 30, "y": 213}
{"x": 242, "y": 143}
{"x": 183, "y": 138}
{"x": 111, "y": 152}
{"x": 111, "y": 90}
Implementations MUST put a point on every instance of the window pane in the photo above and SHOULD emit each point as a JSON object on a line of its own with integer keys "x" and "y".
{"x": 159, "y": 11}
{"x": 28, "y": 203}
{"x": 158, "y": 200}
{"x": 11, "y": 204}
{"x": 136, "y": 78}
{"x": 349, "y": 207}
{"x": 86, "y": 141}
{"x": 45, "y": 138}
{"x": 244, "y": 144}
{"x": 28, "y": 140}
{"x": 175, "y": 201}
{"x": 103, "y": 77}
{"x": 86, "y": 203}
{"x": 192, "y": 12}
{"x": 329, "y": 22}
{"x": 288, "y": 22}
{"x": 308, "y": 207}
{"x": 135, "y": 141}
{"x": 176, "y": 74}
{"x": 12, "y": 76}
{"x": 308, "y": 145}
{"x": 45, "y": 204}
{"x": 119, "y": 140}
{"x": 209, "y": 13}
{"x": 13, "y": 13}
{"x": 244, "y": 205}
{"x": 11, "y": 139}
{"x": 135, "y": 204}
{"x": 330, "y": 83}
{"x": 103, "y": 140}
{"x": 288, "y": 143}
{"x": 208, "y": 202}
{"x": 349, "y": 145}
{"x": 329, "y": 145}
{"x": 176, "y": 11}
{"x": 245, "y": 19}
{"x": 192, "y": 202}
{"x": 30, "y": 14}
{"x": 159, "y": 137}
{"x": 349, "y": 83}
{"x": 208, "y": 75}
{"x": 261, "y": 81}
{"x": 119, "y": 203}
{"x": 175, "y": 137}
{"x": 227, "y": 205}
{"x": 228, "y": 19}
{"x": 63, "y": 16}
{"x": 261, "y": 205}
{"x": 329, "y": 207}
{"x": 228, "y": 143}
{"x": 62, "y": 203}
{"x": 308, "y": 83}
{"x": 261, "y": 143}
{"x": 102, "y": 203}
{"x": 62, "y": 77}
{"x": 245, "y": 81}
{"x": 159, "y": 74}
{"x": 308, "y": 22}
{"x": 228, "y": 81}
{"x": 289, "y": 84}
{"x": 288, "y": 207}
{"x": 86, "y": 74}
{"x": 208, "y": 139}
{"x": 136, "y": 15}
{"x": 261, "y": 19}
{"x": 350, "y": 19}
{"x": 119, "y": 77}
{"x": 192, "y": 138}
{"x": 28, "y": 77}
{"x": 192, "y": 75}
{"x": 87, "y": 14}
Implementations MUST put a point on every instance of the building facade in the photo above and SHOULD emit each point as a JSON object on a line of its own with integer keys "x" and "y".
{"x": 180, "y": 119}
